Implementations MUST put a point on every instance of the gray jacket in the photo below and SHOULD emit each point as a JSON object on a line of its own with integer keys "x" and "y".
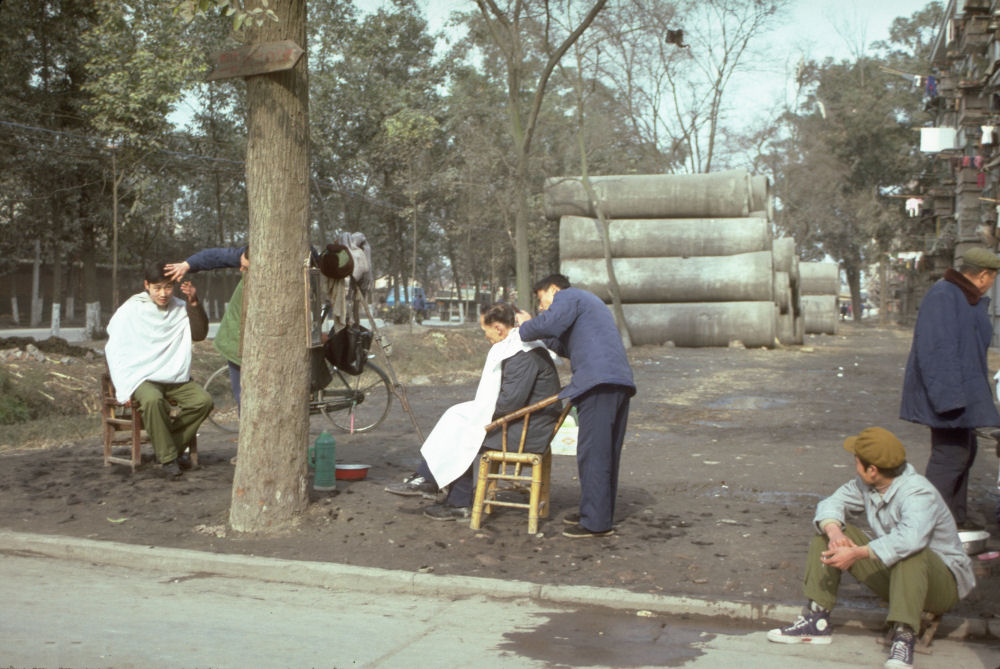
{"x": 910, "y": 516}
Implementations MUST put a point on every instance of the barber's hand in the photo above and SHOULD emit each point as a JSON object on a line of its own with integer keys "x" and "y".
{"x": 190, "y": 292}
{"x": 176, "y": 270}
{"x": 522, "y": 316}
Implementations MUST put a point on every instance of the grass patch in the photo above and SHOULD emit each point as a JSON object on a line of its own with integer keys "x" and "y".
{"x": 50, "y": 431}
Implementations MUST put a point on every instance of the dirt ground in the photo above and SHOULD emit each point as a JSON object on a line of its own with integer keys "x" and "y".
{"x": 728, "y": 451}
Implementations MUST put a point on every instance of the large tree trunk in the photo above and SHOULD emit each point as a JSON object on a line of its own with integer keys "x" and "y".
{"x": 270, "y": 483}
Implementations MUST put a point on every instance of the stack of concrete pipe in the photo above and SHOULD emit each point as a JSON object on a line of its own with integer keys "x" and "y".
{"x": 693, "y": 255}
{"x": 790, "y": 320}
{"x": 820, "y": 286}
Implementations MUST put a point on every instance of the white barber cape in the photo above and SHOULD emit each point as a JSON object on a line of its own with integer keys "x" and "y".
{"x": 455, "y": 441}
{"x": 146, "y": 343}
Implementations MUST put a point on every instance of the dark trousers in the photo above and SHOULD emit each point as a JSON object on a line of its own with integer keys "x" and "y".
{"x": 234, "y": 382}
{"x": 953, "y": 450}
{"x": 460, "y": 492}
{"x": 603, "y": 417}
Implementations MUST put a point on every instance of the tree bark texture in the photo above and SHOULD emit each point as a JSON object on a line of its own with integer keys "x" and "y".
{"x": 270, "y": 483}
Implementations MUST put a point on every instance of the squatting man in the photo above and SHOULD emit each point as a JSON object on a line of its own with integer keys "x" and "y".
{"x": 916, "y": 561}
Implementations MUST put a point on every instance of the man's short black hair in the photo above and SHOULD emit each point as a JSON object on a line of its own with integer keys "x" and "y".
{"x": 501, "y": 312}
{"x": 557, "y": 280}
{"x": 156, "y": 272}
{"x": 887, "y": 472}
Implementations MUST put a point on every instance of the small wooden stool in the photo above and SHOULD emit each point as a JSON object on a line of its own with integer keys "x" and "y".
{"x": 493, "y": 470}
{"x": 117, "y": 418}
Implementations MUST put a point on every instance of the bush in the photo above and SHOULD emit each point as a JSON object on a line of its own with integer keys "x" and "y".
{"x": 13, "y": 408}
{"x": 398, "y": 314}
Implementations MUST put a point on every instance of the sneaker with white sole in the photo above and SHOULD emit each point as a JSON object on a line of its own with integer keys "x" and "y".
{"x": 813, "y": 627}
{"x": 412, "y": 486}
{"x": 901, "y": 652}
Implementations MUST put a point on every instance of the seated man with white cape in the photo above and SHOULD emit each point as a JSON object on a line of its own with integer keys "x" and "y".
{"x": 516, "y": 375}
{"x": 149, "y": 359}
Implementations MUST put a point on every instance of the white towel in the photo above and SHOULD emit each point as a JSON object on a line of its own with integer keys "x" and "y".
{"x": 146, "y": 343}
{"x": 455, "y": 441}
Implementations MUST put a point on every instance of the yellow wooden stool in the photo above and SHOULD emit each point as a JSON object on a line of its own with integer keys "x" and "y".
{"x": 494, "y": 476}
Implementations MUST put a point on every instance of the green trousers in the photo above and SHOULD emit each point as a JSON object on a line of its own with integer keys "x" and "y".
{"x": 920, "y": 582}
{"x": 170, "y": 435}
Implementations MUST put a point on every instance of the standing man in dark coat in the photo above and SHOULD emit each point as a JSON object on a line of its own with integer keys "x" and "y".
{"x": 946, "y": 386}
{"x": 578, "y": 325}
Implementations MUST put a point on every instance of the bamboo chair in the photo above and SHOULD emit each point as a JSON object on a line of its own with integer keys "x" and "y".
{"x": 494, "y": 476}
{"x": 116, "y": 419}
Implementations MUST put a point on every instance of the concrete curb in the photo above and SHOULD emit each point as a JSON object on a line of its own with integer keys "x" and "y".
{"x": 337, "y": 576}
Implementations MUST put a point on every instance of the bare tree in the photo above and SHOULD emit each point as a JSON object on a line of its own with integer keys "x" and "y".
{"x": 673, "y": 64}
{"x": 508, "y": 29}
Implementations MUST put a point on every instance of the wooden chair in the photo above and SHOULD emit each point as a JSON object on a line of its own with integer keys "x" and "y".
{"x": 494, "y": 476}
{"x": 116, "y": 419}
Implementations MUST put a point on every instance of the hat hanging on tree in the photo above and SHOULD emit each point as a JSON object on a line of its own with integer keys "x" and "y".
{"x": 336, "y": 262}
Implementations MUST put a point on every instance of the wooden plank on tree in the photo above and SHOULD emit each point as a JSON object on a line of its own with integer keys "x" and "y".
{"x": 263, "y": 58}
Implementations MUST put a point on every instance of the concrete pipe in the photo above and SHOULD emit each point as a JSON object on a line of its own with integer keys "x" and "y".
{"x": 701, "y": 323}
{"x": 718, "y": 195}
{"x": 579, "y": 237}
{"x": 782, "y": 292}
{"x": 784, "y": 253}
{"x": 789, "y": 330}
{"x": 819, "y": 313}
{"x": 760, "y": 196}
{"x": 819, "y": 278}
{"x": 784, "y": 327}
{"x": 746, "y": 276}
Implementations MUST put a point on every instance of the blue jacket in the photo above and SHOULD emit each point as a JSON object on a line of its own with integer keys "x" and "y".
{"x": 946, "y": 384}
{"x": 579, "y": 326}
{"x": 216, "y": 258}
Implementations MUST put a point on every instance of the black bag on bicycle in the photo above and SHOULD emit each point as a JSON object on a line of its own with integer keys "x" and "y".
{"x": 347, "y": 350}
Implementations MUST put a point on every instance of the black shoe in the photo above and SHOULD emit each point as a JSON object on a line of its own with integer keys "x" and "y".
{"x": 184, "y": 461}
{"x": 901, "y": 651}
{"x": 447, "y": 512}
{"x": 572, "y": 519}
{"x": 412, "y": 486}
{"x": 171, "y": 470}
{"x": 812, "y": 627}
{"x": 580, "y": 532}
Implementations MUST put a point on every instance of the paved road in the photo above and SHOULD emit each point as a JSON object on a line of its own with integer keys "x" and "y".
{"x": 68, "y": 613}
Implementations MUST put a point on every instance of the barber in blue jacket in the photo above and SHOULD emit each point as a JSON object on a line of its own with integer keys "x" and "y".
{"x": 578, "y": 325}
{"x": 946, "y": 386}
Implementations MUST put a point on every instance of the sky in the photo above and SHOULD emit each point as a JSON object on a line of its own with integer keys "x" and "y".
{"x": 812, "y": 29}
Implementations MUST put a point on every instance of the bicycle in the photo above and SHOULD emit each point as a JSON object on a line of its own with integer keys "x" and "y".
{"x": 351, "y": 403}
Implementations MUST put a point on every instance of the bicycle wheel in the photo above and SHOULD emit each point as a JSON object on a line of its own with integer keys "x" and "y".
{"x": 357, "y": 403}
{"x": 225, "y": 416}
